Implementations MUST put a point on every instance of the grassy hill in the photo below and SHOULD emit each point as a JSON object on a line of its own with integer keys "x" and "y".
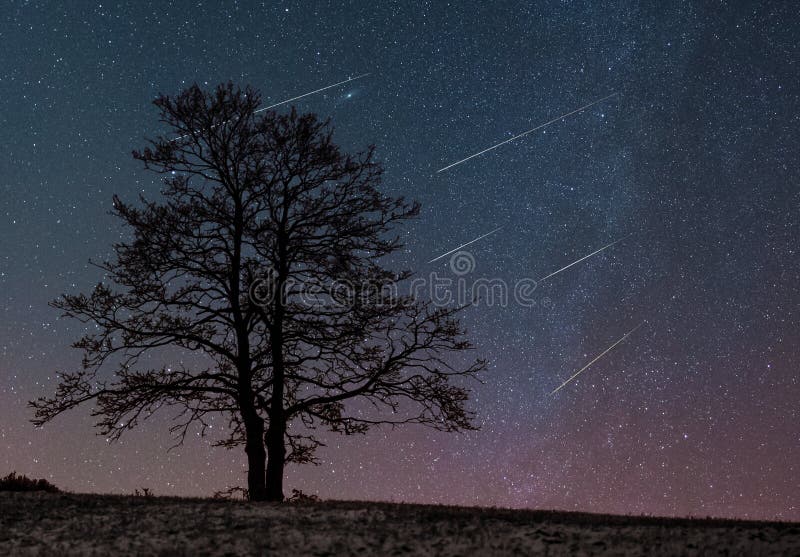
{"x": 80, "y": 524}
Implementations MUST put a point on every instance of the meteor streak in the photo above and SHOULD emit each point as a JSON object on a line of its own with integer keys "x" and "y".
{"x": 540, "y": 126}
{"x": 464, "y": 245}
{"x": 348, "y": 80}
{"x": 603, "y": 353}
{"x": 582, "y": 258}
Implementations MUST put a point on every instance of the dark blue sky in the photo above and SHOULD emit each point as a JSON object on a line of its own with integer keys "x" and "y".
{"x": 693, "y": 162}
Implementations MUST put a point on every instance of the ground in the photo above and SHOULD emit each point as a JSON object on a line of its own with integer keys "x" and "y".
{"x": 79, "y": 524}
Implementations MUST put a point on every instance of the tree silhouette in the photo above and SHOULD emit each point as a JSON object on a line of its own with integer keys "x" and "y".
{"x": 264, "y": 260}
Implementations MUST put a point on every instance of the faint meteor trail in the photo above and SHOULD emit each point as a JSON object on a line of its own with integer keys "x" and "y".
{"x": 464, "y": 245}
{"x": 603, "y": 353}
{"x": 348, "y": 80}
{"x": 540, "y": 126}
{"x": 582, "y": 258}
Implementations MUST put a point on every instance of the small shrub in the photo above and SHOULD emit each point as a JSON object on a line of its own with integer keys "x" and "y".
{"x": 300, "y": 497}
{"x": 145, "y": 492}
{"x": 231, "y": 493}
{"x": 14, "y": 482}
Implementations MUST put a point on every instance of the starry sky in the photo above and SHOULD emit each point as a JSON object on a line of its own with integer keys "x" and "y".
{"x": 693, "y": 163}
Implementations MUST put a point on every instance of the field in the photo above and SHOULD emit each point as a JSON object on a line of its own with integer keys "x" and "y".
{"x": 78, "y": 524}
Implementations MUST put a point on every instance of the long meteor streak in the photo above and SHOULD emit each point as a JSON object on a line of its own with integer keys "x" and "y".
{"x": 582, "y": 258}
{"x": 540, "y": 126}
{"x": 465, "y": 245}
{"x": 348, "y": 80}
{"x": 603, "y": 353}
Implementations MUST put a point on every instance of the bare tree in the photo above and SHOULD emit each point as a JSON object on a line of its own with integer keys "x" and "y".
{"x": 264, "y": 259}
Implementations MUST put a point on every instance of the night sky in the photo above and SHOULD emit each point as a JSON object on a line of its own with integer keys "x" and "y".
{"x": 692, "y": 164}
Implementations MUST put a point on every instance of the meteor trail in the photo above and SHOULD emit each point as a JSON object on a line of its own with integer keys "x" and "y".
{"x": 582, "y": 258}
{"x": 464, "y": 245}
{"x": 603, "y": 353}
{"x": 348, "y": 80}
{"x": 540, "y": 126}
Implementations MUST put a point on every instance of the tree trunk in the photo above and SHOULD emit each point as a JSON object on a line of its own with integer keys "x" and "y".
{"x": 256, "y": 459}
{"x": 276, "y": 459}
{"x": 274, "y": 439}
